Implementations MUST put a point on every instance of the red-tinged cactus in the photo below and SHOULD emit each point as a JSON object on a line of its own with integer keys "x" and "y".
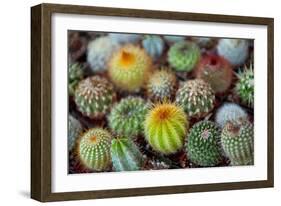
{"x": 216, "y": 71}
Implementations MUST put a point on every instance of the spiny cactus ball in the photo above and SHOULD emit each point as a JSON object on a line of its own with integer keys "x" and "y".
{"x": 129, "y": 68}
{"x": 166, "y": 125}
{"x": 216, "y": 71}
{"x": 99, "y": 52}
{"x": 161, "y": 85}
{"x": 125, "y": 155}
{"x": 235, "y": 51}
{"x": 75, "y": 130}
{"x": 203, "y": 144}
{"x": 237, "y": 140}
{"x": 229, "y": 112}
{"x": 126, "y": 118}
{"x": 183, "y": 56}
{"x": 196, "y": 97}
{"x": 245, "y": 85}
{"x": 125, "y": 38}
{"x": 153, "y": 45}
{"x": 94, "y": 149}
{"x": 94, "y": 96}
{"x": 75, "y": 74}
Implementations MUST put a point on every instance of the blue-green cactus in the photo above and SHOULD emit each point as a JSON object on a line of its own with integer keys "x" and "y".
{"x": 235, "y": 51}
{"x": 125, "y": 155}
{"x": 153, "y": 45}
{"x": 183, "y": 56}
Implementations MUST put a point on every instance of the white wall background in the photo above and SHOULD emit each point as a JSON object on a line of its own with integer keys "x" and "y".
{"x": 15, "y": 102}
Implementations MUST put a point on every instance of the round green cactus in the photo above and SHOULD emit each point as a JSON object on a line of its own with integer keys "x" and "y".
{"x": 125, "y": 155}
{"x": 75, "y": 129}
{"x": 237, "y": 140}
{"x": 94, "y": 149}
{"x": 127, "y": 117}
{"x": 196, "y": 97}
{"x": 161, "y": 85}
{"x": 129, "y": 68}
{"x": 245, "y": 85}
{"x": 203, "y": 144}
{"x": 94, "y": 96}
{"x": 166, "y": 125}
{"x": 75, "y": 75}
{"x": 183, "y": 56}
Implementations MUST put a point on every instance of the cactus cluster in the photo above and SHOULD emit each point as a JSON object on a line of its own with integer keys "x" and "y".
{"x": 94, "y": 96}
{"x": 196, "y": 97}
{"x": 183, "y": 56}
{"x": 94, "y": 149}
{"x": 162, "y": 85}
{"x": 125, "y": 155}
{"x": 166, "y": 125}
{"x": 152, "y": 101}
{"x": 237, "y": 140}
{"x": 129, "y": 68}
{"x": 127, "y": 117}
{"x": 216, "y": 71}
{"x": 245, "y": 85}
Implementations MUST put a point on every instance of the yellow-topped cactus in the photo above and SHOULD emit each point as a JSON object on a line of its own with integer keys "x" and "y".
{"x": 129, "y": 68}
{"x": 166, "y": 126}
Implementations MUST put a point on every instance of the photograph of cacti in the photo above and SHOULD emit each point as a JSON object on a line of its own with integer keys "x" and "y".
{"x": 152, "y": 102}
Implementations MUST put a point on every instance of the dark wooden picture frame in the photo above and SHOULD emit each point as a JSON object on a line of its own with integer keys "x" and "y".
{"x": 41, "y": 101}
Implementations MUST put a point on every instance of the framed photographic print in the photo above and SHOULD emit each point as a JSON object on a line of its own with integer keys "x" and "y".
{"x": 132, "y": 102}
